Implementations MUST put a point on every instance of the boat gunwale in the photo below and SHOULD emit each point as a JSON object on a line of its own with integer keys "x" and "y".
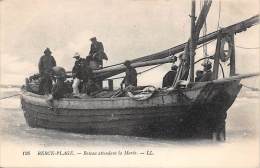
{"x": 175, "y": 91}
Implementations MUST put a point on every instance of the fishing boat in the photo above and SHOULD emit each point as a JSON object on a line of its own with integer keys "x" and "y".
{"x": 187, "y": 109}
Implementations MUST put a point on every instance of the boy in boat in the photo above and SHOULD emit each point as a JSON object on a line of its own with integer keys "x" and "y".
{"x": 208, "y": 74}
{"x": 46, "y": 63}
{"x": 97, "y": 52}
{"x": 169, "y": 77}
{"x": 130, "y": 78}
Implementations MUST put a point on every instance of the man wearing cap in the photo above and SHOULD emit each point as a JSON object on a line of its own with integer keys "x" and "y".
{"x": 97, "y": 51}
{"x": 81, "y": 73}
{"x": 208, "y": 75}
{"x": 46, "y": 63}
{"x": 130, "y": 75}
{"x": 76, "y": 73}
{"x": 169, "y": 77}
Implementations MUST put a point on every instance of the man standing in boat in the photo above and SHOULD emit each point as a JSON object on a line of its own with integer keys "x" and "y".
{"x": 82, "y": 74}
{"x": 46, "y": 63}
{"x": 169, "y": 77}
{"x": 76, "y": 73}
{"x": 86, "y": 75}
{"x": 130, "y": 78}
{"x": 97, "y": 52}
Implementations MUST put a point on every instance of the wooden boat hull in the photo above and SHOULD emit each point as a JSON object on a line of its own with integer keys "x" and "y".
{"x": 194, "y": 112}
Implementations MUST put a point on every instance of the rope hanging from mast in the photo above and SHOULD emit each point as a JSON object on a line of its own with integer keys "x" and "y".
{"x": 248, "y": 48}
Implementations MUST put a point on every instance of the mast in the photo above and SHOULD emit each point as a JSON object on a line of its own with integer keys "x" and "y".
{"x": 192, "y": 40}
{"x": 204, "y": 33}
{"x": 188, "y": 67}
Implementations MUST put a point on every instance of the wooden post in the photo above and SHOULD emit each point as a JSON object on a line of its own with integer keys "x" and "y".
{"x": 232, "y": 56}
{"x": 110, "y": 84}
{"x": 216, "y": 58}
{"x": 192, "y": 41}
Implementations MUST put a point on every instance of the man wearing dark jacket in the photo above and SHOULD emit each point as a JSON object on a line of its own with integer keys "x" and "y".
{"x": 46, "y": 63}
{"x": 169, "y": 77}
{"x": 86, "y": 76}
{"x": 82, "y": 73}
{"x": 199, "y": 75}
{"x": 208, "y": 74}
{"x": 97, "y": 51}
{"x": 59, "y": 88}
{"x": 130, "y": 75}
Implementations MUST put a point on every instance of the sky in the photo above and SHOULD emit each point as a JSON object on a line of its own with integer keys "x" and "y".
{"x": 128, "y": 29}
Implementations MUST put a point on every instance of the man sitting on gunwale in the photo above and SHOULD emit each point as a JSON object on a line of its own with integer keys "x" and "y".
{"x": 59, "y": 88}
{"x": 208, "y": 74}
{"x": 169, "y": 77}
{"x": 130, "y": 78}
{"x": 199, "y": 75}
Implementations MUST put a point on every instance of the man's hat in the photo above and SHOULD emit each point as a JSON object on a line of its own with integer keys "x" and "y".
{"x": 76, "y": 55}
{"x": 174, "y": 67}
{"x": 207, "y": 65}
{"x": 198, "y": 72}
{"x": 93, "y": 39}
{"x": 127, "y": 63}
{"x": 47, "y": 51}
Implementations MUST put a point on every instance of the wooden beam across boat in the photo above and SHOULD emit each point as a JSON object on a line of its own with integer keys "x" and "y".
{"x": 237, "y": 77}
{"x": 111, "y": 71}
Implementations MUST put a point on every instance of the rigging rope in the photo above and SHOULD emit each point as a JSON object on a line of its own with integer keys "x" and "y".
{"x": 251, "y": 88}
{"x": 205, "y": 49}
{"x": 219, "y": 17}
{"x": 139, "y": 73}
{"x": 205, "y": 43}
{"x": 10, "y": 96}
{"x": 248, "y": 48}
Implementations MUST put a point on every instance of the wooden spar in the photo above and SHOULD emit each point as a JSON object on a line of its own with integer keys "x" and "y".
{"x": 232, "y": 57}
{"x": 238, "y": 77}
{"x": 107, "y": 72}
{"x": 192, "y": 41}
{"x": 202, "y": 18}
{"x": 235, "y": 28}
